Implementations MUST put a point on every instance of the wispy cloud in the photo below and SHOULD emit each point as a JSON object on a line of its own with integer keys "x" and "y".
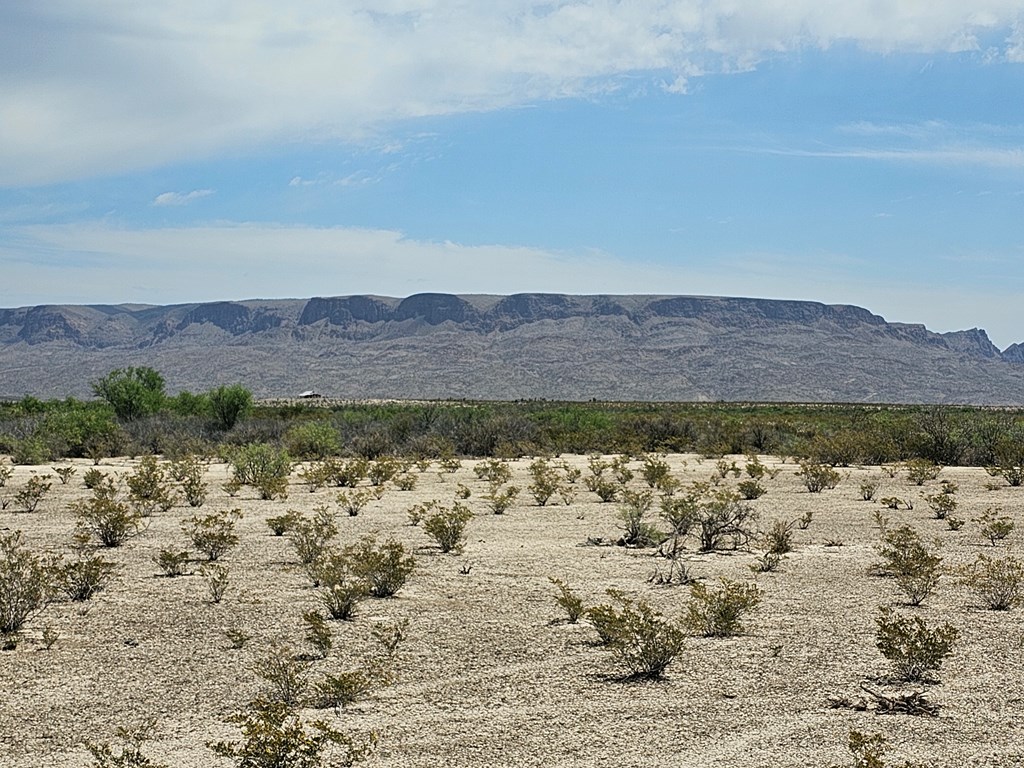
{"x": 106, "y": 88}
{"x": 1008, "y": 158}
{"x": 180, "y": 198}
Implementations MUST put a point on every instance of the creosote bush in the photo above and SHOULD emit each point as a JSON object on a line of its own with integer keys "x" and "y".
{"x": 275, "y": 736}
{"x": 213, "y": 535}
{"x": 383, "y": 567}
{"x": 633, "y": 509}
{"x": 447, "y": 526}
{"x": 81, "y": 578}
{"x": 28, "y": 497}
{"x": 913, "y": 649}
{"x": 129, "y": 753}
{"x": 263, "y": 466}
{"x": 920, "y": 471}
{"x": 641, "y": 639}
{"x": 817, "y": 476}
{"x": 997, "y": 583}
{"x": 913, "y": 565}
{"x": 718, "y": 612}
{"x": 26, "y": 582}
{"x": 147, "y": 489}
{"x": 106, "y": 516}
{"x": 568, "y": 601}
{"x": 172, "y": 562}
{"x": 994, "y": 526}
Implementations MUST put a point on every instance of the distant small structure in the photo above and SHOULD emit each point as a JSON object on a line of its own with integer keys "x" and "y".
{"x": 309, "y": 394}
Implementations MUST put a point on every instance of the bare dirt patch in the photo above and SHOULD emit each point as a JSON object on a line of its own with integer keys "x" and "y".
{"x": 489, "y": 676}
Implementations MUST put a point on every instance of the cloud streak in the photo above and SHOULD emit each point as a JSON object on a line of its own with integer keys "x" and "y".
{"x": 179, "y": 198}
{"x": 100, "y": 88}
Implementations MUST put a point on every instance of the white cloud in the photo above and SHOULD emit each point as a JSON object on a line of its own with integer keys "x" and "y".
{"x": 93, "y": 88}
{"x": 179, "y": 198}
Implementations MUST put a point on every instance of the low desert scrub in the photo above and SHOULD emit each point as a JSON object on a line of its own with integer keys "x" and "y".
{"x": 641, "y": 639}
{"x": 217, "y": 578}
{"x": 129, "y": 753}
{"x": 189, "y": 471}
{"x": 718, "y": 612}
{"x": 106, "y": 516}
{"x": 869, "y": 752}
{"x": 348, "y": 687}
{"x": 81, "y": 578}
{"x": 869, "y": 487}
{"x": 264, "y": 467}
{"x": 817, "y": 476}
{"x": 994, "y": 526}
{"x": 449, "y": 465}
{"x": 213, "y": 535}
{"x": 568, "y": 601}
{"x": 285, "y": 676}
{"x": 654, "y": 470}
{"x": 778, "y": 540}
{"x": 319, "y": 634}
{"x": 724, "y": 522}
{"x": 274, "y": 735}
{"x": 920, "y": 471}
{"x": 914, "y": 566}
{"x": 912, "y": 648}
{"x": 998, "y": 584}
{"x": 637, "y": 532}
{"x": 353, "y": 501}
{"x": 64, "y": 473}
{"x": 383, "y": 567}
{"x": 311, "y": 536}
{"x": 172, "y": 562}
{"x": 545, "y": 481}
{"x": 447, "y": 526}
{"x": 941, "y": 504}
{"x": 147, "y": 488}
{"x": 279, "y": 525}
{"x": 404, "y": 481}
{"x": 6, "y": 473}
{"x": 499, "y": 499}
{"x": 384, "y": 469}
{"x": 26, "y": 583}
{"x": 751, "y": 489}
{"x": 607, "y": 490}
{"x": 342, "y": 589}
{"x": 29, "y": 496}
{"x": 417, "y": 513}
{"x": 493, "y": 471}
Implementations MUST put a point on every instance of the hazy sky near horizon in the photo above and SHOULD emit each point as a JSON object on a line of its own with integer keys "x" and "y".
{"x": 857, "y": 152}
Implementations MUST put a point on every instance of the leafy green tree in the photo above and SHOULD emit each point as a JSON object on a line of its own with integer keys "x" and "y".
{"x": 229, "y": 404}
{"x": 131, "y": 392}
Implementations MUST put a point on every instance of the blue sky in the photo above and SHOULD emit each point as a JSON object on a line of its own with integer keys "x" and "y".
{"x": 837, "y": 152}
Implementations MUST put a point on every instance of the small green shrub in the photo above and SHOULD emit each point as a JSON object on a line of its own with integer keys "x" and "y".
{"x": 275, "y": 736}
{"x": 913, "y": 565}
{"x": 312, "y": 440}
{"x": 311, "y": 536}
{"x": 568, "y": 601}
{"x": 318, "y": 633}
{"x": 998, "y": 584}
{"x": 778, "y": 540}
{"x": 920, "y": 471}
{"x": 26, "y": 583}
{"x": 129, "y": 753}
{"x": 384, "y": 469}
{"x": 189, "y": 471}
{"x": 913, "y": 649}
{"x": 751, "y": 489}
{"x": 493, "y": 471}
{"x": 654, "y": 470}
{"x": 641, "y": 639}
{"x": 546, "y": 481}
{"x": 64, "y": 473}
{"x": 869, "y": 487}
{"x": 285, "y": 676}
{"x": 724, "y": 522}
{"x": 84, "y": 576}
{"x": 447, "y": 526}
{"x": 6, "y": 473}
{"x": 93, "y": 478}
{"x": 342, "y": 589}
{"x": 718, "y": 612}
{"x": 384, "y": 567}
{"x": 637, "y": 532}
{"x": 171, "y": 562}
{"x": 264, "y": 467}
{"x": 27, "y": 498}
{"x": 213, "y": 535}
{"x": 818, "y": 477}
{"x": 353, "y": 501}
{"x": 147, "y": 489}
{"x": 106, "y": 516}
{"x": 404, "y": 481}
{"x": 995, "y": 527}
{"x": 941, "y": 504}
{"x": 217, "y": 579}
{"x": 869, "y": 751}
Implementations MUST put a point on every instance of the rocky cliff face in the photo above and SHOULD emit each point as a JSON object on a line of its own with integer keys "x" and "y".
{"x": 521, "y": 346}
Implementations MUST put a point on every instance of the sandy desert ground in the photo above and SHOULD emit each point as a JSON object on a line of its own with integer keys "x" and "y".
{"x": 488, "y": 675}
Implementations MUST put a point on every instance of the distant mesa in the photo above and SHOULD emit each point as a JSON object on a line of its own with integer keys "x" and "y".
{"x": 527, "y": 345}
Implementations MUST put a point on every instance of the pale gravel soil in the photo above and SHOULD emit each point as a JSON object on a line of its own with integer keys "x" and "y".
{"x": 488, "y": 675}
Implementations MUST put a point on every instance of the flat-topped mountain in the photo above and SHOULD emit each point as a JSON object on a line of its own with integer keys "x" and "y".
{"x": 533, "y": 345}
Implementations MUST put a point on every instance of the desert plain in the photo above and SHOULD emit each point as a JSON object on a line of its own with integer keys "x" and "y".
{"x": 490, "y": 672}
